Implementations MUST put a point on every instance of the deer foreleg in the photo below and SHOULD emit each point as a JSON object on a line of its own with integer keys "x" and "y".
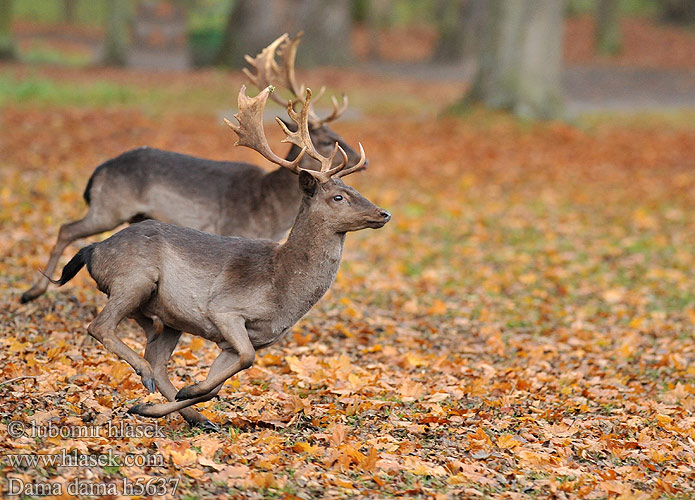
{"x": 159, "y": 348}
{"x": 236, "y": 340}
{"x": 161, "y": 409}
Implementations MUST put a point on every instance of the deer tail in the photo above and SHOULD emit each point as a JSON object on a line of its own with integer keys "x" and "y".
{"x": 76, "y": 263}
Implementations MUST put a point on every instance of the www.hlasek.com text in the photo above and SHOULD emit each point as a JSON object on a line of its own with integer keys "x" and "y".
{"x": 73, "y": 459}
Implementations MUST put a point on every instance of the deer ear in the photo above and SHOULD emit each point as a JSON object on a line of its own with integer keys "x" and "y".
{"x": 308, "y": 183}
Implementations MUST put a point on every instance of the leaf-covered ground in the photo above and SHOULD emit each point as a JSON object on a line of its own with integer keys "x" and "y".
{"x": 523, "y": 327}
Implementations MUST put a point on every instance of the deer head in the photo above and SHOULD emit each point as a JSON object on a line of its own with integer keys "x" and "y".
{"x": 323, "y": 189}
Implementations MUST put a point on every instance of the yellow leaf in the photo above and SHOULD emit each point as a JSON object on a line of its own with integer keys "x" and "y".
{"x": 508, "y": 441}
{"x": 411, "y": 306}
{"x": 180, "y": 455}
{"x": 263, "y": 479}
{"x": 304, "y": 447}
{"x": 664, "y": 419}
{"x": 119, "y": 372}
{"x": 206, "y": 462}
{"x": 613, "y": 295}
{"x": 528, "y": 278}
{"x": 415, "y": 359}
{"x": 636, "y": 322}
{"x": 18, "y": 346}
{"x": 270, "y": 359}
{"x": 343, "y": 484}
{"x": 438, "y": 308}
{"x": 197, "y": 343}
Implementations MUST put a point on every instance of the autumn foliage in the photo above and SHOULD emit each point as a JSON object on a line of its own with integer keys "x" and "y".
{"x": 524, "y": 326}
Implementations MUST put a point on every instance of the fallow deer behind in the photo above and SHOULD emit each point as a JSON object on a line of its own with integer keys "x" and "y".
{"x": 243, "y": 294}
{"x": 218, "y": 197}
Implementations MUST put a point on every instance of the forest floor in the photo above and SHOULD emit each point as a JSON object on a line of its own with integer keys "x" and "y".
{"x": 525, "y": 326}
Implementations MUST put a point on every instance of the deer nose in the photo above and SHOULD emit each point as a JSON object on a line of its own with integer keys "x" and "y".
{"x": 386, "y": 215}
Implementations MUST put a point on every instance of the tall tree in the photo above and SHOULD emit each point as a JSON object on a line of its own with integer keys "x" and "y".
{"x": 116, "y": 42}
{"x": 248, "y": 29}
{"x": 460, "y": 25}
{"x": 520, "y": 57}
{"x": 7, "y": 50}
{"x": 326, "y": 25}
{"x": 678, "y": 11}
{"x": 607, "y": 35}
{"x": 378, "y": 13}
{"x": 69, "y": 10}
{"x": 251, "y": 25}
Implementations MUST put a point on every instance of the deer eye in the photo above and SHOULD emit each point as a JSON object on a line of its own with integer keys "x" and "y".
{"x": 337, "y": 197}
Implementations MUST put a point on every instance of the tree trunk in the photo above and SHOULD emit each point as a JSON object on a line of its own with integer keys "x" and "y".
{"x": 608, "y": 27}
{"x": 326, "y": 25}
{"x": 460, "y": 30}
{"x": 7, "y": 49}
{"x": 678, "y": 11}
{"x": 69, "y": 11}
{"x": 473, "y": 24}
{"x": 116, "y": 42}
{"x": 252, "y": 25}
{"x": 520, "y": 58}
{"x": 451, "y": 19}
{"x": 378, "y": 18}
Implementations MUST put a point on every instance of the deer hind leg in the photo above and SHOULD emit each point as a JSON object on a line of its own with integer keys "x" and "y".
{"x": 92, "y": 223}
{"x": 121, "y": 304}
{"x": 159, "y": 348}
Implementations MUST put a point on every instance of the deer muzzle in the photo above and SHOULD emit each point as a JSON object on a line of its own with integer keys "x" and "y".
{"x": 382, "y": 217}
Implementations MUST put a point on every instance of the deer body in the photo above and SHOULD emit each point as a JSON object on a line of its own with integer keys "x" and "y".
{"x": 243, "y": 294}
{"x": 218, "y": 197}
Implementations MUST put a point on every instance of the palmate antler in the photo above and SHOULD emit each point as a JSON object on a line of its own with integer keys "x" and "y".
{"x": 269, "y": 72}
{"x": 251, "y": 134}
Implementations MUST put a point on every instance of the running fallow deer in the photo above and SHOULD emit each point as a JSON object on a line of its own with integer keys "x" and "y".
{"x": 219, "y": 197}
{"x": 243, "y": 294}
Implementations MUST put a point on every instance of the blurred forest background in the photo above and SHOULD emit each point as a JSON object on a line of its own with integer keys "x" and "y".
{"x": 512, "y": 54}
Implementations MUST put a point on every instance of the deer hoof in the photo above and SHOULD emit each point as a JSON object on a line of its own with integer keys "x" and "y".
{"x": 140, "y": 409}
{"x": 28, "y": 296}
{"x": 208, "y": 426}
{"x": 188, "y": 392}
{"x": 149, "y": 384}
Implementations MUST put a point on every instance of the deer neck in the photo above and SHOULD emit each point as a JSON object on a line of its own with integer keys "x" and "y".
{"x": 306, "y": 264}
{"x": 280, "y": 185}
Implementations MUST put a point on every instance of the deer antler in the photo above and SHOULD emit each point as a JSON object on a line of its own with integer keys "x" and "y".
{"x": 250, "y": 129}
{"x": 251, "y": 134}
{"x": 268, "y": 72}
